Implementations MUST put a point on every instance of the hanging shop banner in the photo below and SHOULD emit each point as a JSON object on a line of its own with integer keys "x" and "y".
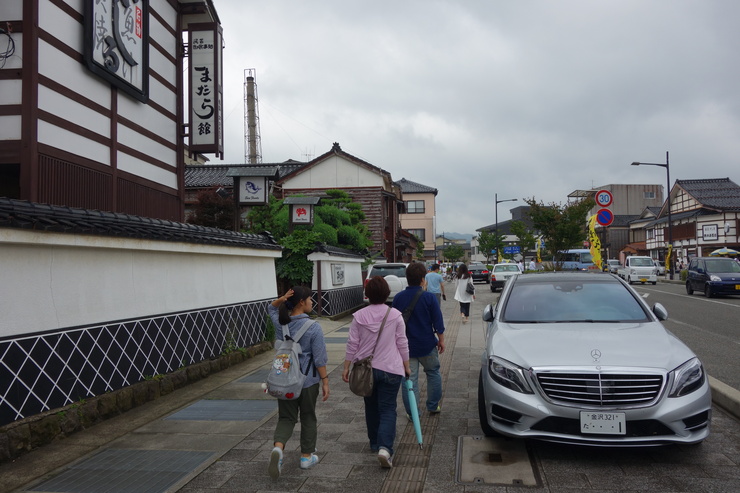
{"x": 252, "y": 190}
{"x": 205, "y": 69}
{"x": 117, "y": 44}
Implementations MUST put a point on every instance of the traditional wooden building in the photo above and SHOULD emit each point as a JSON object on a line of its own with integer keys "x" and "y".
{"x": 92, "y": 112}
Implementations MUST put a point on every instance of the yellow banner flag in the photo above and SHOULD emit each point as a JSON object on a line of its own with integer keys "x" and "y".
{"x": 593, "y": 239}
{"x": 539, "y": 259}
{"x": 668, "y": 259}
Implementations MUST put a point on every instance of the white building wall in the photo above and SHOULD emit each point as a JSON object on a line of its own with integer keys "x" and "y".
{"x": 53, "y": 280}
{"x": 335, "y": 172}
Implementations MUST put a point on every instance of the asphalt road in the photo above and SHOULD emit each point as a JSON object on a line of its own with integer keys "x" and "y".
{"x": 709, "y": 326}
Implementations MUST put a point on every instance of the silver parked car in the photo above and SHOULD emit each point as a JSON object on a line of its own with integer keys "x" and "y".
{"x": 581, "y": 358}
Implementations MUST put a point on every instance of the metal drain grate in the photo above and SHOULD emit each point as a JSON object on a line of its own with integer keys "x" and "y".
{"x": 126, "y": 471}
{"x": 490, "y": 461}
{"x": 226, "y": 410}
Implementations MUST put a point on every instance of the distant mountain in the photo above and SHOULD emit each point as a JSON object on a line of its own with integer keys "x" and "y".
{"x": 458, "y": 236}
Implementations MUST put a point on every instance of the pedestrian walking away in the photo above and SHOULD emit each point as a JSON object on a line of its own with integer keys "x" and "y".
{"x": 461, "y": 292}
{"x": 425, "y": 332}
{"x": 435, "y": 284}
{"x": 292, "y": 309}
{"x": 379, "y": 331}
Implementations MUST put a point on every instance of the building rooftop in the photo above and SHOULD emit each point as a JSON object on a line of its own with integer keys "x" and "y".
{"x": 715, "y": 193}
{"x": 21, "y": 214}
{"x": 408, "y": 186}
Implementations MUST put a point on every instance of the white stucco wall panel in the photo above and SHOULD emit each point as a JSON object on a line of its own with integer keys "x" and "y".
{"x": 76, "y": 144}
{"x": 53, "y": 281}
{"x": 160, "y": 34}
{"x": 74, "y": 75}
{"x": 336, "y": 172}
{"x": 57, "y": 104}
{"x": 11, "y": 10}
{"x": 141, "y": 143}
{"x": 352, "y": 271}
{"x": 146, "y": 170}
{"x": 162, "y": 65}
{"x": 10, "y": 127}
{"x": 60, "y": 25}
{"x": 163, "y": 8}
{"x": 12, "y": 92}
{"x": 162, "y": 95}
{"x": 147, "y": 117}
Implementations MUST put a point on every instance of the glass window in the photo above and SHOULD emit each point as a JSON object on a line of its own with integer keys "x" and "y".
{"x": 415, "y": 207}
{"x": 649, "y": 195}
{"x": 572, "y": 301}
{"x": 419, "y": 233}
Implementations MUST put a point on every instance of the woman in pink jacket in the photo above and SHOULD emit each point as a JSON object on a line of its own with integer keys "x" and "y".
{"x": 390, "y": 364}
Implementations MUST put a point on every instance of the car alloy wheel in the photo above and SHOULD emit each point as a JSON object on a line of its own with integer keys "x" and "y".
{"x": 689, "y": 289}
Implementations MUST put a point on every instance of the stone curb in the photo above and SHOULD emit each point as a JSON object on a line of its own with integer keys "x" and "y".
{"x": 725, "y": 396}
{"x": 27, "y": 434}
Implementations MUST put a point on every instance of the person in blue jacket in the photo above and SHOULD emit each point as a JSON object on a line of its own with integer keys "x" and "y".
{"x": 425, "y": 332}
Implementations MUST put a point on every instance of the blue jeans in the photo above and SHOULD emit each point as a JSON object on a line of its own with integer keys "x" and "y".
{"x": 380, "y": 410}
{"x": 430, "y": 362}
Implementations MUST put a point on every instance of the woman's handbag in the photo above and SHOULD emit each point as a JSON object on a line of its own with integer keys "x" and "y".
{"x": 361, "y": 376}
{"x": 470, "y": 289}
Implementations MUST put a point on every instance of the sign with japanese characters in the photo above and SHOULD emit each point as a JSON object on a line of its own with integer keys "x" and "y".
{"x": 710, "y": 232}
{"x": 301, "y": 214}
{"x": 252, "y": 189}
{"x": 206, "y": 89}
{"x": 337, "y": 274}
{"x": 117, "y": 44}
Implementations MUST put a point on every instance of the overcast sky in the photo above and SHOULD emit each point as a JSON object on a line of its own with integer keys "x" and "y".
{"x": 520, "y": 98}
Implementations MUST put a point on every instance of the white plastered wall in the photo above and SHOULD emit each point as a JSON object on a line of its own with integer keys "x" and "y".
{"x": 52, "y": 281}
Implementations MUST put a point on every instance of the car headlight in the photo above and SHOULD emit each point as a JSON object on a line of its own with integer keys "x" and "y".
{"x": 687, "y": 378}
{"x": 714, "y": 278}
{"x": 508, "y": 374}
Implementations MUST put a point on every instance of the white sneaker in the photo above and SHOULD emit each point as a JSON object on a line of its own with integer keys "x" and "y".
{"x": 384, "y": 457}
{"x": 276, "y": 463}
{"x": 309, "y": 462}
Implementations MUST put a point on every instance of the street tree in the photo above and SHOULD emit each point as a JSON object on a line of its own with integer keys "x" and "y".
{"x": 453, "y": 253}
{"x": 526, "y": 239}
{"x": 337, "y": 222}
{"x": 212, "y": 210}
{"x": 487, "y": 243}
{"x": 561, "y": 226}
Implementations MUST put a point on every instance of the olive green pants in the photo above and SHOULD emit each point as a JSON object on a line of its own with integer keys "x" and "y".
{"x": 288, "y": 414}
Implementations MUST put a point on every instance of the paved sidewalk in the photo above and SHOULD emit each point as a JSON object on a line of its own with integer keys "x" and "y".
{"x": 216, "y": 435}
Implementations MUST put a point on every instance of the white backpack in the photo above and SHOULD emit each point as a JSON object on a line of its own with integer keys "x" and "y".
{"x": 285, "y": 379}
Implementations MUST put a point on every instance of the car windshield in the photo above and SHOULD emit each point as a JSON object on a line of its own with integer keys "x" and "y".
{"x": 641, "y": 262}
{"x": 506, "y": 268}
{"x": 572, "y": 301}
{"x": 722, "y": 266}
{"x": 388, "y": 270}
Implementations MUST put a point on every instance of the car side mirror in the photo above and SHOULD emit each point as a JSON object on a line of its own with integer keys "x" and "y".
{"x": 660, "y": 312}
{"x": 488, "y": 313}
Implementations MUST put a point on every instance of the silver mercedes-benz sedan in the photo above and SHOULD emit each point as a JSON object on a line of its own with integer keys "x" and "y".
{"x": 581, "y": 358}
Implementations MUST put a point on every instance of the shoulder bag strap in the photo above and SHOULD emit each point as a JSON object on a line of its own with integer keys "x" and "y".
{"x": 410, "y": 309}
{"x": 306, "y": 325}
{"x": 286, "y": 332}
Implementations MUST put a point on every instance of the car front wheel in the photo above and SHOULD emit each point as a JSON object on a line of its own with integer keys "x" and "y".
{"x": 482, "y": 412}
{"x": 689, "y": 289}
{"x": 708, "y": 291}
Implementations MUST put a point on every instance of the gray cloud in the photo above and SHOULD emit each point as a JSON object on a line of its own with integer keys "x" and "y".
{"x": 523, "y": 99}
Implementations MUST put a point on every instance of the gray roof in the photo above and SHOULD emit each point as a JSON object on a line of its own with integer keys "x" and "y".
{"x": 21, "y": 214}
{"x": 336, "y": 251}
{"x": 216, "y": 175}
{"x": 408, "y": 186}
{"x": 679, "y": 216}
{"x": 715, "y": 193}
{"x": 623, "y": 220}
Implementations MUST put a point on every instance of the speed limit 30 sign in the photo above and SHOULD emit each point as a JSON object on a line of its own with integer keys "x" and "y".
{"x": 604, "y": 198}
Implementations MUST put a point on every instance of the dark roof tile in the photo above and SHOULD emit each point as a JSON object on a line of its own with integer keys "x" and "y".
{"x": 22, "y": 214}
{"x": 408, "y": 186}
{"x": 716, "y": 193}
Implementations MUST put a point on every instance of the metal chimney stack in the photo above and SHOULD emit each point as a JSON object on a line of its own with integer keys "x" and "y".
{"x": 252, "y": 141}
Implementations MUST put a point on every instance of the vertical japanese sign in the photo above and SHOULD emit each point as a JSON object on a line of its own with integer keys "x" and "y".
{"x": 117, "y": 44}
{"x": 206, "y": 89}
{"x": 301, "y": 214}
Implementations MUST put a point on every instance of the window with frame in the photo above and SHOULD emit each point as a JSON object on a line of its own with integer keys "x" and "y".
{"x": 415, "y": 207}
{"x": 419, "y": 233}
{"x": 649, "y": 195}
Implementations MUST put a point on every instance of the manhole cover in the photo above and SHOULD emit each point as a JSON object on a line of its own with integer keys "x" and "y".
{"x": 499, "y": 461}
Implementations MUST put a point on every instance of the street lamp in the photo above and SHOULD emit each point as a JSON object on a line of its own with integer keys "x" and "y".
{"x": 668, "y": 198}
{"x": 498, "y": 253}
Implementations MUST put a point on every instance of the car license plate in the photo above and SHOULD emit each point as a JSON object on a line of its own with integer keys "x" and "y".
{"x": 737, "y": 286}
{"x": 643, "y": 279}
{"x": 603, "y": 423}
